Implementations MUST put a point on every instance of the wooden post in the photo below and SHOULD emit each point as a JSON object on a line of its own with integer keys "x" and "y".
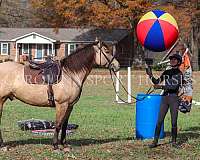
{"x": 195, "y": 47}
{"x": 117, "y": 87}
{"x": 16, "y": 53}
{"x": 129, "y": 84}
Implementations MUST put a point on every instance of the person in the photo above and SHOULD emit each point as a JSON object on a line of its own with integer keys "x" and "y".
{"x": 187, "y": 89}
{"x": 173, "y": 79}
{"x": 184, "y": 52}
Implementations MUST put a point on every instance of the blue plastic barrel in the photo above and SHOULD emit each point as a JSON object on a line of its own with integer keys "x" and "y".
{"x": 147, "y": 111}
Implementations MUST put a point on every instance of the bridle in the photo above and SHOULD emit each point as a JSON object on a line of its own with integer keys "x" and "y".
{"x": 109, "y": 65}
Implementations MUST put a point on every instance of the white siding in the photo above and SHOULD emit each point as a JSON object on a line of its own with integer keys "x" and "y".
{"x": 34, "y": 39}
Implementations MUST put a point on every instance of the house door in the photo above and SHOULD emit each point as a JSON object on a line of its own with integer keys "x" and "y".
{"x": 39, "y": 52}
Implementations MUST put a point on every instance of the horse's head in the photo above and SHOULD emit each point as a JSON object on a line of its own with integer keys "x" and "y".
{"x": 104, "y": 56}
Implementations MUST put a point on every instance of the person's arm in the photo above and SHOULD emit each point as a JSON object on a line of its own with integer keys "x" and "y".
{"x": 153, "y": 79}
{"x": 158, "y": 80}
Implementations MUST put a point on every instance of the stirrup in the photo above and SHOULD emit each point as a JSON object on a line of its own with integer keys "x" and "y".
{"x": 51, "y": 98}
{"x": 51, "y": 101}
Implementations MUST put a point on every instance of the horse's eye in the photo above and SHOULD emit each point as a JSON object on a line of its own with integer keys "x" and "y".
{"x": 106, "y": 50}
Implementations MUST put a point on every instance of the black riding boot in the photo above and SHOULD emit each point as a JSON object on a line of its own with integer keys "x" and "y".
{"x": 156, "y": 137}
{"x": 174, "y": 135}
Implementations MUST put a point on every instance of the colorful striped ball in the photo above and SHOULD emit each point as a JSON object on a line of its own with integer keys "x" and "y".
{"x": 157, "y": 30}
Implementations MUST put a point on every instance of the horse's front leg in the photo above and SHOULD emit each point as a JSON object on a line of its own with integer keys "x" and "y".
{"x": 61, "y": 110}
{"x": 1, "y": 139}
{"x": 1, "y": 110}
{"x": 64, "y": 126}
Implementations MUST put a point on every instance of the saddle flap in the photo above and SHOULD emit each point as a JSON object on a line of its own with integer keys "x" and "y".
{"x": 50, "y": 74}
{"x": 33, "y": 76}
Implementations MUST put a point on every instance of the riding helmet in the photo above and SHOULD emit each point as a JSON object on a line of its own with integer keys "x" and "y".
{"x": 177, "y": 56}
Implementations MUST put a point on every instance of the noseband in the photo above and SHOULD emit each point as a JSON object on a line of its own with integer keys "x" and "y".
{"x": 108, "y": 60}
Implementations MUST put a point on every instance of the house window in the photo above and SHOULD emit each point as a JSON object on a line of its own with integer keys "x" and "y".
{"x": 50, "y": 49}
{"x": 71, "y": 48}
{"x": 4, "y": 49}
{"x": 39, "y": 52}
{"x": 25, "y": 49}
{"x": 47, "y": 49}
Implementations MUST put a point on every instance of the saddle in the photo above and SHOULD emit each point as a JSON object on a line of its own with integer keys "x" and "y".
{"x": 47, "y": 73}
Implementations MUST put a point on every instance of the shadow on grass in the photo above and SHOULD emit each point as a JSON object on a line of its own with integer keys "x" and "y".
{"x": 86, "y": 142}
{"x": 74, "y": 142}
{"x": 46, "y": 141}
{"x": 189, "y": 133}
{"x": 183, "y": 137}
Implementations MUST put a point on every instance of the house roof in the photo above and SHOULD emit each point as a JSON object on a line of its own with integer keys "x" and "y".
{"x": 32, "y": 33}
{"x": 66, "y": 34}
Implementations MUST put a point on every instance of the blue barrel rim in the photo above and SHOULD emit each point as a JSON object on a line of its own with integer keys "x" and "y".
{"x": 144, "y": 94}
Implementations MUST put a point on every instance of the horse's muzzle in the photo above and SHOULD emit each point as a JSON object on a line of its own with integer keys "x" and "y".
{"x": 114, "y": 67}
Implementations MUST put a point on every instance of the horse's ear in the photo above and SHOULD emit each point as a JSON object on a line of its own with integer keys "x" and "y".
{"x": 96, "y": 39}
{"x": 97, "y": 42}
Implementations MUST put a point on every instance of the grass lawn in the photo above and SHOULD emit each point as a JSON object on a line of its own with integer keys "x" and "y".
{"x": 106, "y": 129}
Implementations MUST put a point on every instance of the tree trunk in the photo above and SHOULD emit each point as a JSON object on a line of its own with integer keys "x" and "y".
{"x": 195, "y": 40}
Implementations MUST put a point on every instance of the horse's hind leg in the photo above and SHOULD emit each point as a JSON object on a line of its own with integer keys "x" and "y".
{"x": 64, "y": 126}
{"x": 60, "y": 117}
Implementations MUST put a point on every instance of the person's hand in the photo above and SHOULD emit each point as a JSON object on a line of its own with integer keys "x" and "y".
{"x": 157, "y": 86}
{"x": 149, "y": 71}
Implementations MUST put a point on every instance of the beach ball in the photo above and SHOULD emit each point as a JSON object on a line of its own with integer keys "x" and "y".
{"x": 157, "y": 30}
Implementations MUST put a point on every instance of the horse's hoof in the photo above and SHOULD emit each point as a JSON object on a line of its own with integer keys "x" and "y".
{"x": 58, "y": 151}
{"x": 55, "y": 147}
{"x": 65, "y": 145}
{"x": 67, "y": 149}
{"x": 4, "y": 149}
{"x": 1, "y": 145}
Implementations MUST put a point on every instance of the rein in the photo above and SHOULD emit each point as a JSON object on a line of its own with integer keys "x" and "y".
{"x": 112, "y": 72}
{"x": 149, "y": 91}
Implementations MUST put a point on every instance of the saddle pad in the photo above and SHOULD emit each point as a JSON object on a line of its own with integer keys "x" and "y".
{"x": 33, "y": 76}
{"x": 39, "y": 124}
{"x": 35, "y": 124}
{"x": 49, "y": 132}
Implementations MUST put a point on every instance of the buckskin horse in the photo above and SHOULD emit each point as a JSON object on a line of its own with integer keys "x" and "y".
{"x": 75, "y": 69}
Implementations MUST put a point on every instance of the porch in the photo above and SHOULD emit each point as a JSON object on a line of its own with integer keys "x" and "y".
{"x": 35, "y": 46}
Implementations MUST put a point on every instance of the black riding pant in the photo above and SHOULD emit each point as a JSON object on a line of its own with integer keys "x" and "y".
{"x": 168, "y": 101}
